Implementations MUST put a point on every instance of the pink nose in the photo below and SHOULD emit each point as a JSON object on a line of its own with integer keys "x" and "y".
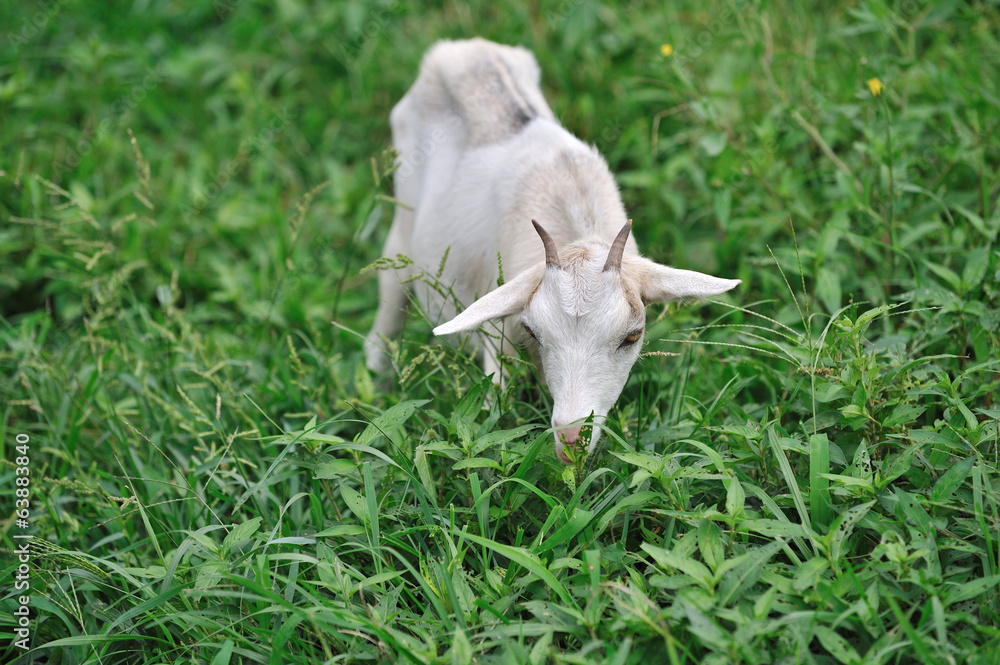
{"x": 567, "y": 436}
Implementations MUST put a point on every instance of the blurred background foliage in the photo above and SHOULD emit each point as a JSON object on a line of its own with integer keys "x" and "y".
{"x": 189, "y": 193}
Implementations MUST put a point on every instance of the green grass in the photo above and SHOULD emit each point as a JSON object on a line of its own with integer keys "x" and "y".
{"x": 216, "y": 478}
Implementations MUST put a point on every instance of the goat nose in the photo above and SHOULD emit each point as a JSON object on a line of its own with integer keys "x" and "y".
{"x": 566, "y": 436}
{"x": 569, "y": 434}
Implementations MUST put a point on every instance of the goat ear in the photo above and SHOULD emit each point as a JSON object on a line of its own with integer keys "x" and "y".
{"x": 510, "y": 298}
{"x": 662, "y": 284}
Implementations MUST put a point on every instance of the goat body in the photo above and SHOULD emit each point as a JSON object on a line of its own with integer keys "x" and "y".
{"x": 481, "y": 156}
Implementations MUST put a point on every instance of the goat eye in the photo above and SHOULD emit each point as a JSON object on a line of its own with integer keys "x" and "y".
{"x": 631, "y": 338}
{"x": 530, "y": 332}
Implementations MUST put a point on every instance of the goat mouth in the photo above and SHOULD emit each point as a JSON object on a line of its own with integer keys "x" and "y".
{"x": 575, "y": 439}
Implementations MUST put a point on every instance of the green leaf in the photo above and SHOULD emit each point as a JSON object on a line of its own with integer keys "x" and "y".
{"x": 710, "y": 543}
{"x": 592, "y": 561}
{"x": 629, "y": 502}
{"x": 354, "y": 501}
{"x": 622, "y": 654}
{"x": 850, "y": 481}
{"x": 225, "y": 653}
{"x": 334, "y": 468}
{"x": 819, "y": 484}
{"x": 467, "y": 410}
{"x": 861, "y": 465}
{"x": 735, "y": 499}
{"x": 914, "y": 512}
{"x": 554, "y": 614}
{"x": 651, "y": 463}
{"x": 867, "y": 317}
{"x": 371, "y": 498}
{"x": 743, "y": 572}
{"x": 977, "y": 223}
{"x": 786, "y": 471}
{"x": 540, "y": 651}
{"x": 772, "y": 528}
{"x": 577, "y": 523}
{"x": 977, "y": 261}
{"x": 828, "y": 391}
{"x": 376, "y": 580}
{"x": 461, "y": 649}
{"x": 951, "y": 479}
{"x": 568, "y": 477}
{"x": 340, "y": 530}
{"x": 896, "y": 466}
{"x": 497, "y": 438}
{"x": 971, "y": 590}
{"x": 704, "y": 627}
{"x": 903, "y": 369}
{"x": 762, "y": 606}
{"x": 671, "y": 560}
{"x": 392, "y": 419}
{"x": 947, "y": 274}
{"x": 240, "y": 533}
{"x": 310, "y": 434}
{"x": 526, "y": 559}
{"x": 363, "y": 383}
{"x": 903, "y": 413}
{"x": 836, "y": 645}
{"x": 853, "y": 411}
{"x": 843, "y": 527}
{"x": 808, "y": 574}
{"x": 154, "y": 572}
{"x": 347, "y": 445}
{"x": 713, "y": 143}
{"x": 971, "y": 422}
{"x": 828, "y": 289}
{"x": 476, "y": 463}
{"x": 420, "y": 460}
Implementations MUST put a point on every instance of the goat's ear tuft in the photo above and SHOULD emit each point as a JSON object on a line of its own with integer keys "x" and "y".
{"x": 510, "y": 298}
{"x": 659, "y": 283}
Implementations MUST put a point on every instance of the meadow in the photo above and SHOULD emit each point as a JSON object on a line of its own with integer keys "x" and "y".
{"x": 805, "y": 470}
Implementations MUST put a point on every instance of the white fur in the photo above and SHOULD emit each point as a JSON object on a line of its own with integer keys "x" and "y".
{"x": 480, "y": 156}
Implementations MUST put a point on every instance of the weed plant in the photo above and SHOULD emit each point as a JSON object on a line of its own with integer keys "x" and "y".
{"x": 803, "y": 472}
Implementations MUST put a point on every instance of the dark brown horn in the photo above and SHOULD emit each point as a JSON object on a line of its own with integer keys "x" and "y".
{"x": 614, "y": 261}
{"x": 551, "y": 255}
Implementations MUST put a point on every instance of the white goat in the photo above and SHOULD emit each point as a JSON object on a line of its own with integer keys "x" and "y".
{"x": 481, "y": 156}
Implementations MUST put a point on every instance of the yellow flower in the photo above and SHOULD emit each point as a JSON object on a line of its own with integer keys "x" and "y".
{"x": 666, "y": 50}
{"x": 876, "y": 87}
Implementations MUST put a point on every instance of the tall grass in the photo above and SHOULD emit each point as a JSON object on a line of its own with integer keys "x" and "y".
{"x": 805, "y": 471}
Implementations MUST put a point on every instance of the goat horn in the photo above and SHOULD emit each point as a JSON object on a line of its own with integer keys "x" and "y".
{"x": 614, "y": 261}
{"x": 551, "y": 255}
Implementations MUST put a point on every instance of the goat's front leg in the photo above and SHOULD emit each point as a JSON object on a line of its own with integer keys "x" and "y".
{"x": 493, "y": 349}
{"x": 388, "y": 321}
{"x": 392, "y": 295}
